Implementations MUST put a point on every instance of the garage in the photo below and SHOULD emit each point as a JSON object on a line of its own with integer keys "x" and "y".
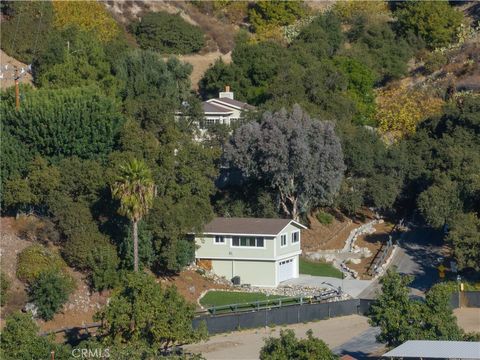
{"x": 286, "y": 269}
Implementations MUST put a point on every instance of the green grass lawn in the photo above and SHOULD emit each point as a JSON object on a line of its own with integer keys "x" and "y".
{"x": 318, "y": 269}
{"x": 220, "y": 298}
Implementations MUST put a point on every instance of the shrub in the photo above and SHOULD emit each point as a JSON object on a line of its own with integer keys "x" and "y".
{"x": 324, "y": 218}
{"x": 4, "y": 287}
{"x": 103, "y": 263}
{"x": 435, "y": 61}
{"x": 436, "y": 22}
{"x": 168, "y": 33}
{"x": 88, "y": 15}
{"x": 32, "y": 228}
{"x": 50, "y": 291}
{"x": 36, "y": 259}
{"x": 81, "y": 245}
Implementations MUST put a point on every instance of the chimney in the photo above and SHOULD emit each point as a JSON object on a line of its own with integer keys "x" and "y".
{"x": 227, "y": 93}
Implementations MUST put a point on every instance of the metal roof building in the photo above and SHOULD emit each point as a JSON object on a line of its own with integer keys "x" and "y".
{"x": 429, "y": 349}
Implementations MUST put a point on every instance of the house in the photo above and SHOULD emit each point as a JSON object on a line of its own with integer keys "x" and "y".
{"x": 261, "y": 252}
{"x": 223, "y": 110}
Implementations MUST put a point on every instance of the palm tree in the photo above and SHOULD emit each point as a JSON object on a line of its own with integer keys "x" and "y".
{"x": 136, "y": 190}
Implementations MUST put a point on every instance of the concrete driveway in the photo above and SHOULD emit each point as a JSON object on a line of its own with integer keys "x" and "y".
{"x": 349, "y": 286}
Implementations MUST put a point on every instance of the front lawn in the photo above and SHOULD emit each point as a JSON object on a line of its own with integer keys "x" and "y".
{"x": 317, "y": 268}
{"x": 221, "y": 298}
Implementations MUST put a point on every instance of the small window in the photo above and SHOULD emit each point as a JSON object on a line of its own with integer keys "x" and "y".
{"x": 235, "y": 241}
{"x": 260, "y": 242}
{"x": 283, "y": 240}
{"x": 295, "y": 237}
{"x": 219, "y": 239}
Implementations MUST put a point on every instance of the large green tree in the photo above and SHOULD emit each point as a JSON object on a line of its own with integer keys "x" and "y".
{"x": 401, "y": 318}
{"x": 144, "y": 313}
{"x": 136, "y": 190}
{"x": 20, "y": 340}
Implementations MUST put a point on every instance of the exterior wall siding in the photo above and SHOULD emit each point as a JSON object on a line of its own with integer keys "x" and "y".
{"x": 290, "y": 248}
{"x": 258, "y": 273}
{"x": 209, "y": 250}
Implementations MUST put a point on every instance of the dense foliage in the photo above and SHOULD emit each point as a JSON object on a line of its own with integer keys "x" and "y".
{"x": 168, "y": 34}
{"x": 64, "y": 122}
{"x": 435, "y": 22}
{"x": 20, "y": 340}
{"x": 299, "y": 158}
{"x": 36, "y": 259}
{"x": 401, "y": 318}
{"x": 25, "y": 28}
{"x": 287, "y": 346}
{"x": 49, "y": 292}
{"x": 89, "y": 15}
{"x": 141, "y": 302}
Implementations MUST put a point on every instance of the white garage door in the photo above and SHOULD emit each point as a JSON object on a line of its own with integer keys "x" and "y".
{"x": 285, "y": 269}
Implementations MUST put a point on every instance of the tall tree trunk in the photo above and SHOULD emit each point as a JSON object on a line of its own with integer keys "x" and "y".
{"x": 135, "y": 246}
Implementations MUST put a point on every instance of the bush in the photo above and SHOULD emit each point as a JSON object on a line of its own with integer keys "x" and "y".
{"x": 103, "y": 263}
{"x": 50, "y": 291}
{"x": 434, "y": 62}
{"x": 36, "y": 259}
{"x": 436, "y": 22}
{"x": 32, "y": 228}
{"x": 324, "y": 218}
{"x": 81, "y": 245}
{"x": 4, "y": 287}
{"x": 168, "y": 33}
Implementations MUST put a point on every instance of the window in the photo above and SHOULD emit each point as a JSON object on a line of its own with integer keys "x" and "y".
{"x": 248, "y": 241}
{"x": 219, "y": 239}
{"x": 295, "y": 237}
{"x": 283, "y": 240}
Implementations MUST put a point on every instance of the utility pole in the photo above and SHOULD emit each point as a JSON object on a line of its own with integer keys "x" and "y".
{"x": 15, "y": 74}
{"x": 17, "y": 90}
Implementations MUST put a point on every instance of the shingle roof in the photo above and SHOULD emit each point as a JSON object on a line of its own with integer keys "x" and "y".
{"x": 436, "y": 350}
{"x": 237, "y": 103}
{"x": 210, "y": 108}
{"x": 251, "y": 226}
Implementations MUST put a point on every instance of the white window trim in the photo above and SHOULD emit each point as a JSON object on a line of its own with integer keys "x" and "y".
{"x": 291, "y": 237}
{"x": 286, "y": 240}
{"x": 248, "y": 247}
{"x": 225, "y": 239}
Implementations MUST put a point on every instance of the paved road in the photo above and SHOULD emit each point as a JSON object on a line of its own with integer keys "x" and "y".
{"x": 416, "y": 256}
{"x": 361, "y": 346}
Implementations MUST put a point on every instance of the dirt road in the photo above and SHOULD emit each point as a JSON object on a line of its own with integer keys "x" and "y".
{"x": 246, "y": 344}
{"x": 468, "y": 319}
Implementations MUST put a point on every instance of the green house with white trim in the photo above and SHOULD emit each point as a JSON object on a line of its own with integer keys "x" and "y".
{"x": 261, "y": 252}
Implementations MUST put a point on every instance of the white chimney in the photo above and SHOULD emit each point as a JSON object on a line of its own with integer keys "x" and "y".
{"x": 226, "y": 94}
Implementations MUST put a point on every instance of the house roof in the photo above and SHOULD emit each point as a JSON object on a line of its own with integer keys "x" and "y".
{"x": 436, "y": 350}
{"x": 248, "y": 226}
{"x": 212, "y": 108}
{"x": 232, "y": 102}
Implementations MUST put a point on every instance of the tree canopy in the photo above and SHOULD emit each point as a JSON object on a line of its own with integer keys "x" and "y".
{"x": 299, "y": 158}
